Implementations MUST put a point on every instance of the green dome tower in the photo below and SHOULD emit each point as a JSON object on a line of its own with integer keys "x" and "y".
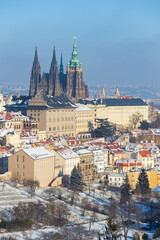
{"x": 75, "y": 85}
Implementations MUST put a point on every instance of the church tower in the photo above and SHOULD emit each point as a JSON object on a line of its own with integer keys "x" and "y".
{"x": 35, "y": 76}
{"x": 54, "y": 83}
{"x": 75, "y": 85}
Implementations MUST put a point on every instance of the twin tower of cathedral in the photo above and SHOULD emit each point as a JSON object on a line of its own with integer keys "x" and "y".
{"x": 56, "y": 81}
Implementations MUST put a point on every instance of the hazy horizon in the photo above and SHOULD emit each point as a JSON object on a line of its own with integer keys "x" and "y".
{"x": 118, "y": 42}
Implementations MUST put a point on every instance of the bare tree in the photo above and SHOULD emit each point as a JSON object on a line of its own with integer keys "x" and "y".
{"x": 32, "y": 186}
{"x": 138, "y": 215}
{"x": 135, "y": 119}
{"x": 124, "y": 212}
{"x": 93, "y": 219}
{"x": 61, "y": 210}
{"x": 113, "y": 226}
{"x": 85, "y": 205}
{"x": 51, "y": 236}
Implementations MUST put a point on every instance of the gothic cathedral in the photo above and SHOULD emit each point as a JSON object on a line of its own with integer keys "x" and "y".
{"x": 57, "y": 82}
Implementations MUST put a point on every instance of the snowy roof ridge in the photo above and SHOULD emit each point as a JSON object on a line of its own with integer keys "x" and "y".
{"x": 38, "y": 152}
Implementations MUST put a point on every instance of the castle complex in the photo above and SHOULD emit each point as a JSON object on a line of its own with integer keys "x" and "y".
{"x": 56, "y": 81}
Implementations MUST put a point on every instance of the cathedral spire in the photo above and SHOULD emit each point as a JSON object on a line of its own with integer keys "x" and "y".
{"x": 54, "y": 82}
{"x": 35, "y": 76}
{"x": 54, "y": 57}
{"x": 36, "y": 57}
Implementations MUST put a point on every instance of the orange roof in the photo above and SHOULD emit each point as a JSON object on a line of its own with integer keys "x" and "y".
{"x": 8, "y": 116}
{"x": 145, "y": 153}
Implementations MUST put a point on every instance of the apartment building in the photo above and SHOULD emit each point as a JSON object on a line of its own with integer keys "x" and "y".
{"x": 152, "y": 177}
{"x": 34, "y": 163}
{"x": 67, "y": 159}
{"x": 84, "y": 115}
{"x": 12, "y": 120}
{"x": 146, "y": 158}
{"x": 55, "y": 115}
{"x": 87, "y": 164}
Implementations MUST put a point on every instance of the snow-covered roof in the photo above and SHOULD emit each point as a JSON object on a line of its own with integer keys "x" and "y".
{"x": 156, "y": 189}
{"x": 67, "y": 153}
{"x": 4, "y": 132}
{"x": 82, "y": 107}
{"x": 83, "y": 151}
{"x": 38, "y": 152}
{"x": 113, "y": 174}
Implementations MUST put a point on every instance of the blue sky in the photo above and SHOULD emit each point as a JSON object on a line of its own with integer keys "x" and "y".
{"x": 118, "y": 41}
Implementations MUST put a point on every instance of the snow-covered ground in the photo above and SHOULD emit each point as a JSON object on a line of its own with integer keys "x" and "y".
{"x": 10, "y": 196}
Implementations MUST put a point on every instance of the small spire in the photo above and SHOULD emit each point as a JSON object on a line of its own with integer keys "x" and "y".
{"x": 103, "y": 95}
{"x": 36, "y": 56}
{"x": 117, "y": 94}
{"x": 74, "y": 44}
{"x": 61, "y": 65}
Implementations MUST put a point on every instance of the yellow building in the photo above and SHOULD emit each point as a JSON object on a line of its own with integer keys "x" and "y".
{"x": 100, "y": 111}
{"x": 84, "y": 115}
{"x": 12, "y": 120}
{"x": 119, "y": 110}
{"x": 152, "y": 177}
{"x": 56, "y": 115}
{"x": 66, "y": 159}
{"x": 14, "y": 139}
{"x": 33, "y": 164}
{"x": 87, "y": 164}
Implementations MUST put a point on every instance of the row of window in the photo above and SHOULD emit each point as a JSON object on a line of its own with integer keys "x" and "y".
{"x": 116, "y": 179}
{"x": 68, "y": 134}
{"x": 61, "y": 119}
{"x": 19, "y": 174}
{"x": 115, "y": 184}
{"x": 61, "y": 110}
{"x": 81, "y": 116}
{"x": 18, "y": 166}
{"x": 35, "y": 114}
{"x": 82, "y": 121}
{"x": 35, "y": 110}
{"x": 22, "y": 158}
{"x": 61, "y": 128}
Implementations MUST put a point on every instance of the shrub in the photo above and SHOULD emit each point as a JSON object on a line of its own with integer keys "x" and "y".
{"x": 157, "y": 233}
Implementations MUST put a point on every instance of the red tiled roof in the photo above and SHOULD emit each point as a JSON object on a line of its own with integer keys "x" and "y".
{"x": 145, "y": 153}
{"x": 8, "y": 116}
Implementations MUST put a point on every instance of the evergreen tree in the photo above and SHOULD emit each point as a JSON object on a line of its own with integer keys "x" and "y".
{"x": 144, "y": 125}
{"x": 76, "y": 180}
{"x": 104, "y": 129}
{"x": 125, "y": 192}
{"x": 143, "y": 183}
{"x": 90, "y": 126}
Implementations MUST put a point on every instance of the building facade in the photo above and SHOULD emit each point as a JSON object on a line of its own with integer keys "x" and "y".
{"x": 87, "y": 164}
{"x": 55, "y": 115}
{"x": 118, "y": 111}
{"x": 84, "y": 115}
{"x": 32, "y": 164}
{"x": 152, "y": 177}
